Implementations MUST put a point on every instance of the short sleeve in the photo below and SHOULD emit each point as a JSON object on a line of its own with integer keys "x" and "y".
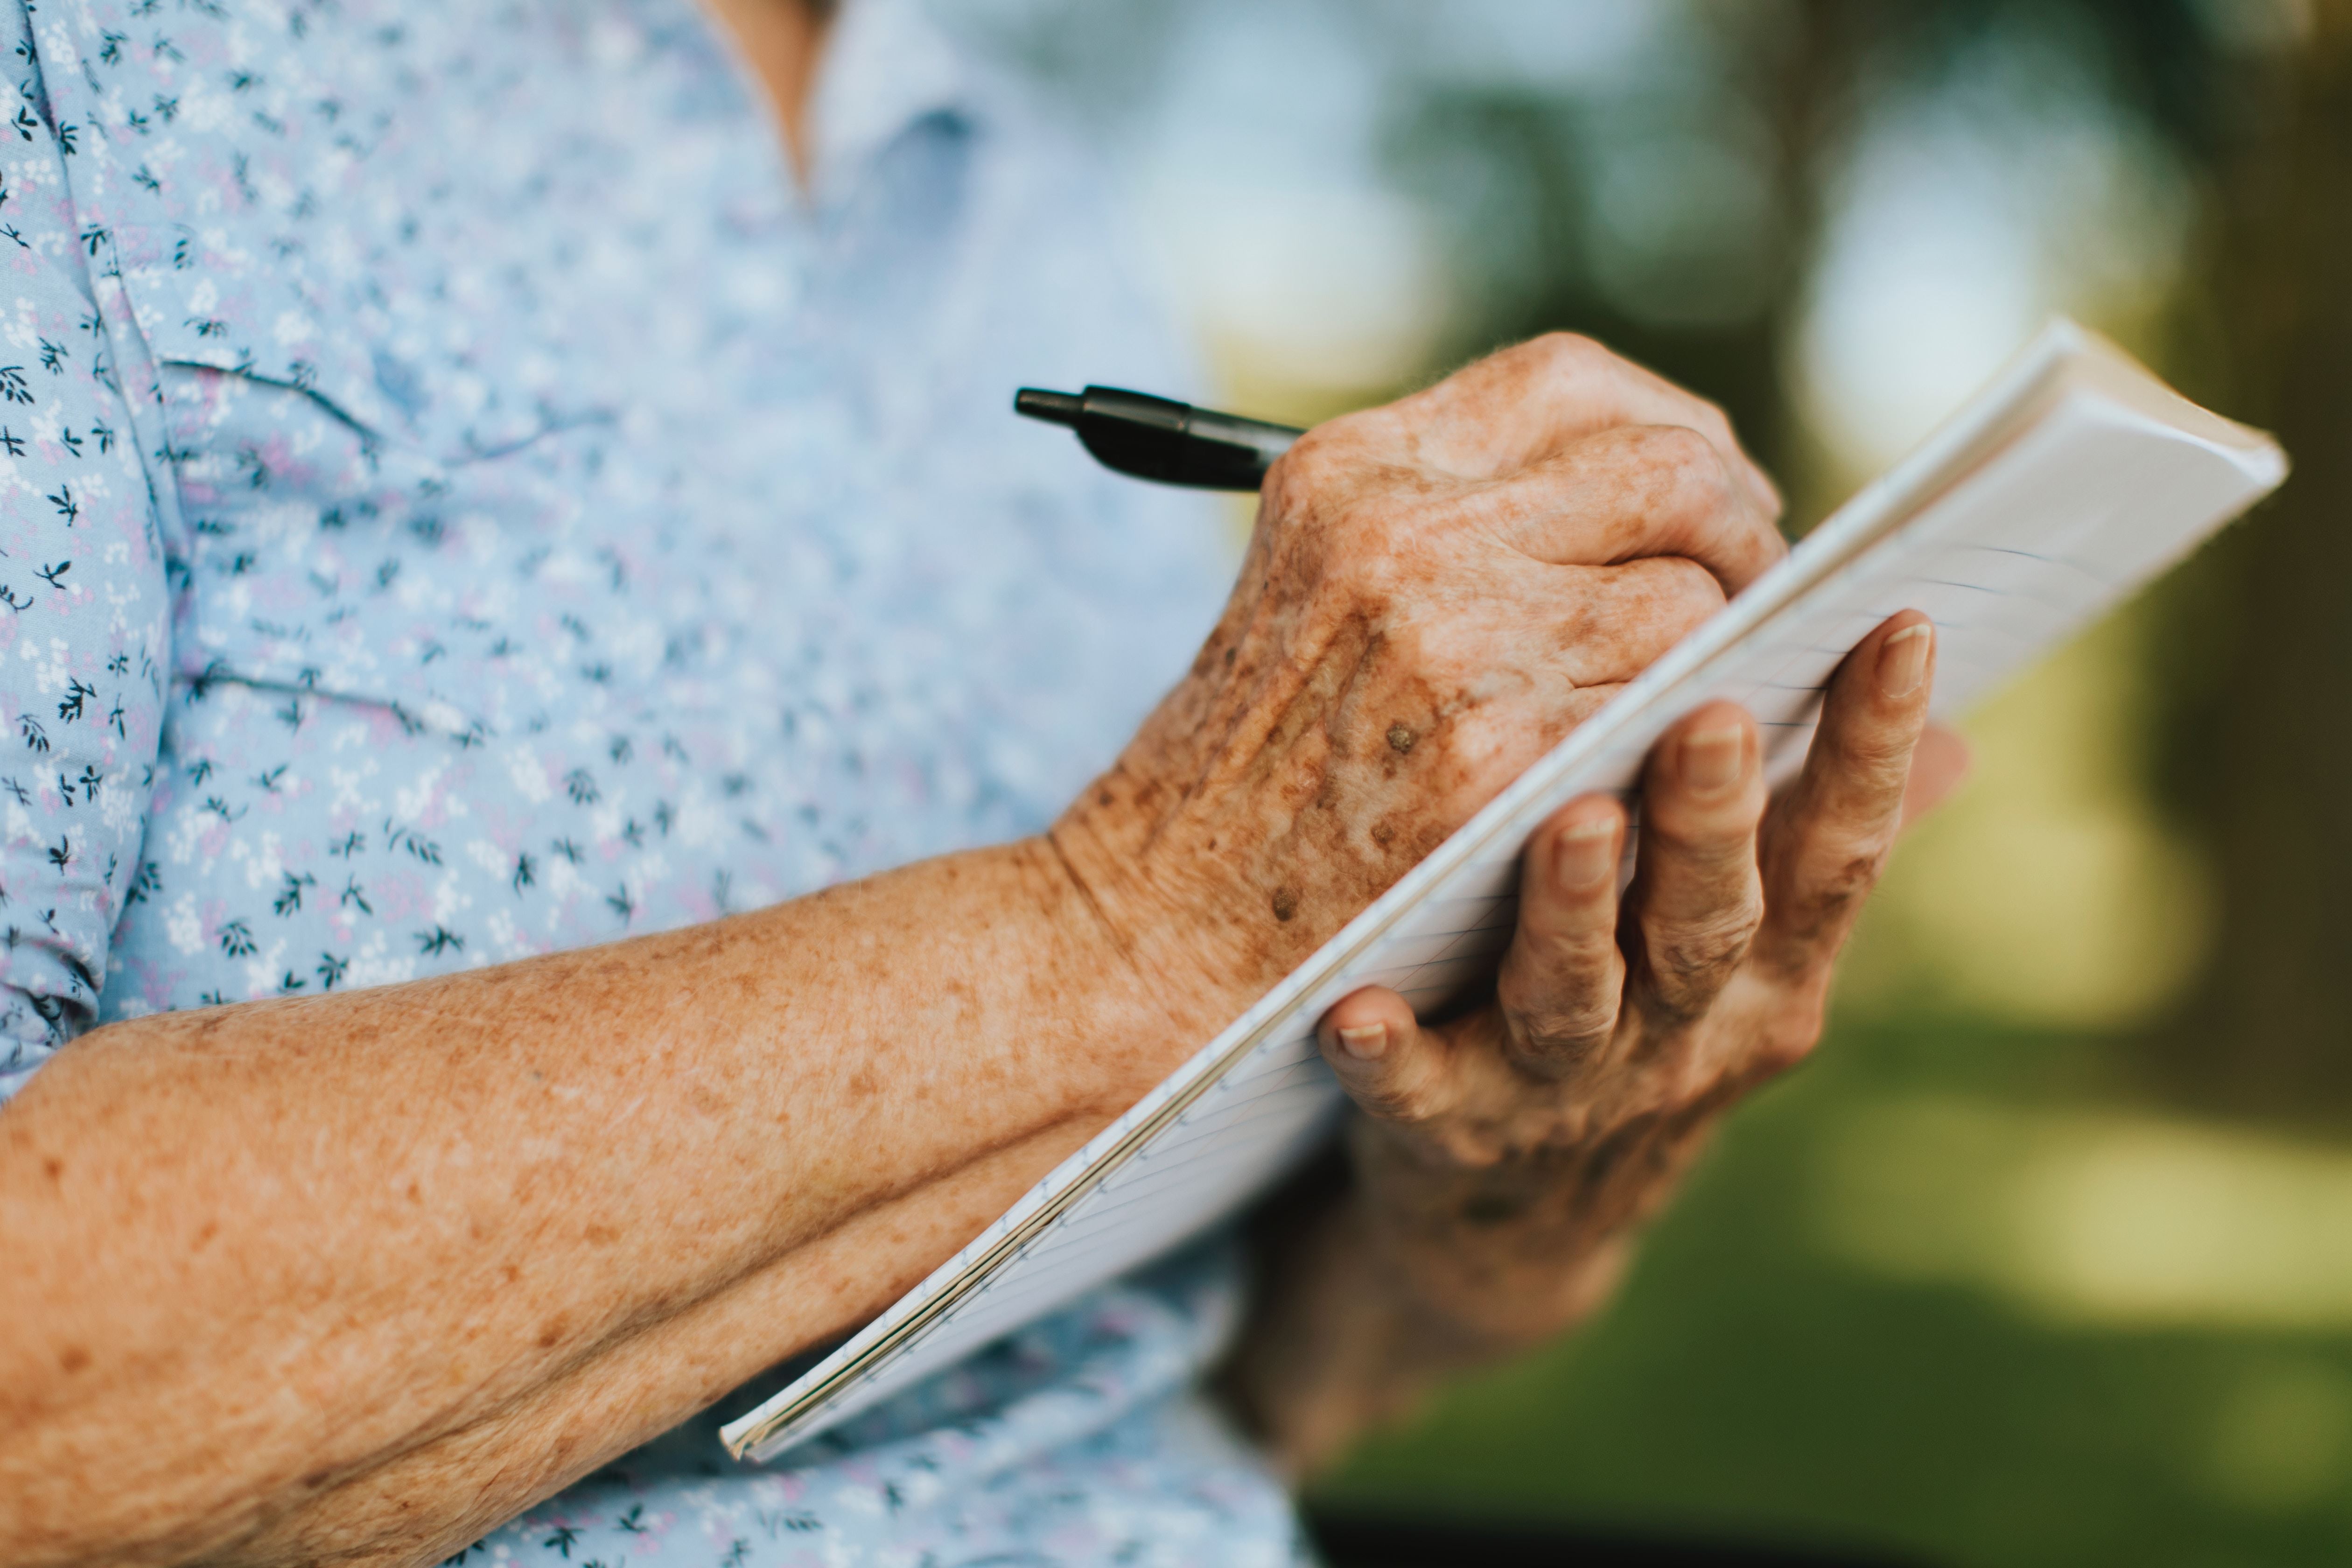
{"x": 84, "y": 603}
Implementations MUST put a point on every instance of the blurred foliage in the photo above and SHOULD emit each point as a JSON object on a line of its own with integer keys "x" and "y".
{"x": 2253, "y": 747}
{"x": 1749, "y": 1383}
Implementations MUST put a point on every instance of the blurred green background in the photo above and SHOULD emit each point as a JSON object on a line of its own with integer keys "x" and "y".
{"x": 2048, "y": 1257}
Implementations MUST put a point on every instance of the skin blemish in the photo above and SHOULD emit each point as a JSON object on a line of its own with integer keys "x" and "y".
{"x": 53, "y": 1167}
{"x": 1491, "y": 1208}
{"x": 73, "y": 1358}
{"x": 1384, "y": 834}
{"x": 1285, "y": 902}
{"x": 1401, "y": 738}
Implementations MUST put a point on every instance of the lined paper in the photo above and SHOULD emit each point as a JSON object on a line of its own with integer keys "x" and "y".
{"x": 2070, "y": 481}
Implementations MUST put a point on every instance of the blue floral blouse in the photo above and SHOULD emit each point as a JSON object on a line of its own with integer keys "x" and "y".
{"x": 457, "y": 501}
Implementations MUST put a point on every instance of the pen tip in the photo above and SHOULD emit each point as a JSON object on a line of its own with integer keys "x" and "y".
{"x": 1055, "y": 407}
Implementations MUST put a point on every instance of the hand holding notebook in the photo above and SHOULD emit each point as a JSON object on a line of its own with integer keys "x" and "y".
{"x": 1438, "y": 590}
{"x": 2070, "y": 481}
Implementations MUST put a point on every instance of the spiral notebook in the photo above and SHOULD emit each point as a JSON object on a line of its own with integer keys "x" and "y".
{"x": 2073, "y": 479}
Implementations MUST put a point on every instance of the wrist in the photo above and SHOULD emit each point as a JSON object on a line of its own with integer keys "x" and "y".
{"x": 1173, "y": 907}
{"x": 1129, "y": 1013}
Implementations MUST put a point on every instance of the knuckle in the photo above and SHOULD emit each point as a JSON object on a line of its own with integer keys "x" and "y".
{"x": 1561, "y": 363}
{"x": 1707, "y": 833}
{"x": 1566, "y": 352}
{"x": 1409, "y": 1100}
{"x": 1690, "y": 480}
{"x": 1848, "y": 878}
{"x": 1863, "y": 734}
{"x": 1671, "y": 448}
{"x": 1580, "y": 951}
{"x": 1408, "y": 1088}
{"x": 1656, "y": 598}
{"x": 1878, "y": 759}
{"x": 1563, "y": 1003}
{"x": 1688, "y": 592}
{"x": 1326, "y": 460}
{"x": 1564, "y": 1038}
{"x": 1831, "y": 891}
{"x": 1691, "y": 954}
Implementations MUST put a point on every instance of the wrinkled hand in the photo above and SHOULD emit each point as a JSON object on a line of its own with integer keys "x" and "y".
{"x": 1436, "y": 591}
{"x": 1506, "y": 1152}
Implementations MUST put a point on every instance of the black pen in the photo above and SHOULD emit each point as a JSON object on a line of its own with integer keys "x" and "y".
{"x": 1159, "y": 438}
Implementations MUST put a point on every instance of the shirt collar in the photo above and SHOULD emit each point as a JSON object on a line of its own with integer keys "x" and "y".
{"x": 885, "y": 68}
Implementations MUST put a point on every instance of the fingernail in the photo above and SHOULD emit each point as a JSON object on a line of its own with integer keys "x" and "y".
{"x": 1903, "y": 660}
{"x": 1587, "y": 856}
{"x": 1711, "y": 761}
{"x": 1366, "y": 1041}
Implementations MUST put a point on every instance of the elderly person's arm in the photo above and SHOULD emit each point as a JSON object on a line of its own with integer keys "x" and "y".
{"x": 274, "y": 1296}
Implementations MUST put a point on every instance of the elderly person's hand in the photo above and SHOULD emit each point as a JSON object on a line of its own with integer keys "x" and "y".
{"x": 1437, "y": 591}
{"x": 1503, "y": 1156}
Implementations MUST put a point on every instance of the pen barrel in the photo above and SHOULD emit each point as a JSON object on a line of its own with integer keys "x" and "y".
{"x": 1233, "y": 451}
{"x": 1174, "y": 443}
{"x": 1162, "y": 440}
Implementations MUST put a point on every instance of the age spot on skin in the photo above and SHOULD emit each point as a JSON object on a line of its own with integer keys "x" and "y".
{"x": 1401, "y": 738}
{"x": 1285, "y": 902}
{"x": 1384, "y": 834}
{"x": 73, "y": 1358}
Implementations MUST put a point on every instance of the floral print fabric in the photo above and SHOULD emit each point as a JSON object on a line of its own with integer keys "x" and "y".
{"x": 458, "y": 502}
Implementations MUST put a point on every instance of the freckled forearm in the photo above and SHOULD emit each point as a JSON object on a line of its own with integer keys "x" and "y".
{"x": 343, "y": 1231}
{"x": 399, "y": 1513}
